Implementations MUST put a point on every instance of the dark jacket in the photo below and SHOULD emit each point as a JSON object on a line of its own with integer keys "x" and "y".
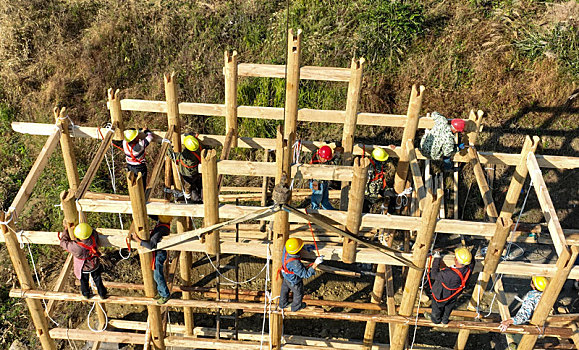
{"x": 297, "y": 270}
{"x": 160, "y": 231}
{"x": 188, "y": 162}
{"x": 447, "y": 276}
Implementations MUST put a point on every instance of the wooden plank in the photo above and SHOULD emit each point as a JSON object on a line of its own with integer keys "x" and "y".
{"x": 544, "y": 161}
{"x": 306, "y": 72}
{"x": 546, "y": 203}
{"x": 25, "y": 190}
{"x": 94, "y": 165}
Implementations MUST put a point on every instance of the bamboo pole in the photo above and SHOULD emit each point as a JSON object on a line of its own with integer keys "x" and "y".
{"x": 564, "y": 264}
{"x": 24, "y": 275}
{"x": 409, "y": 134}
{"x": 355, "y": 205}
{"x": 137, "y": 195}
{"x": 292, "y": 85}
{"x": 67, "y": 148}
{"x": 230, "y": 73}
{"x": 114, "y": 102}
{"x": 419, "y": 256}
{"x": 280, "y": 235}
{"x": 353, "y": 99}
{"x": 210, "y": 199}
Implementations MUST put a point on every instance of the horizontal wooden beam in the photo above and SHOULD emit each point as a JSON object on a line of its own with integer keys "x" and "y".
{"x": 306, "y": 72}
{"x": 309, "y": 312}
{"x": 331, "y": 251}
{"x": 544, "y": 161}
{"x": 25, "y": 190}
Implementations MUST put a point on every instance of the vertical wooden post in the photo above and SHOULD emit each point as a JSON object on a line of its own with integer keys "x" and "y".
{"x": 503, "y": 228}
{"x": 564, "y": 265}
{"x": 280, "y": 235}
{"x": 230, "y": 73}
{"x": 483, "y": 185}
{"x": 409, "y": 133}
{"x": 210, "y": 199}
{"x": 67, "y": 148}
{"x": 474, "y": 127}
{"x": 140, "y": 220}
{"x": 419, "y": 256}
{"x": 354, "y": 87}
{"x": 26, "y": 282}
{"x": 264, "y": 184}
{"x": 292, "y": 86}
{"x": 116, "y": 114}
{"x": 172, "y": 97}
{"x": 355, "y": 204}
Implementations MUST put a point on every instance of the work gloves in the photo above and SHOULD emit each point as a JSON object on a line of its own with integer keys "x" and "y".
{"x": 319, "y": 260}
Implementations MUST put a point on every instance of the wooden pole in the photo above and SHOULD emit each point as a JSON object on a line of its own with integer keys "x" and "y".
{"x": 140, "y": 220}
{"x": 354, "y": 88}
{"x": 474, "y": 127}
{"x": 280, "y": 235}
{"x": 564, "y": 264}
{"x": 210, "y": 199}
{"x": 114, "y": 101}
{"x": 409, "y": 134}
{"x": 172, "y": 97}
{"x": 67, "y": 148}
{"x": 483, "y": 185}
{"x": 419, "y": 256}
{"x": 355, "y": 205}
{"x": 230, "y": 72}
{"x": 292, "y": 86}
{"x": 264, "y": 184}
{"x": 24, "y": 274}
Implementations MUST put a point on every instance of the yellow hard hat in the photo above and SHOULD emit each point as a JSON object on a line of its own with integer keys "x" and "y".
{"x": 82, "y": 231}
{"x": 380, "y": 154}
{"x": 191, "y": 143}
{"x": 294, "y": 245}
{"x": 463, "y": 256}
{"x": 165, "y": 219}
{"x": 540, "y": 282}
{"x": 130, "y": 134}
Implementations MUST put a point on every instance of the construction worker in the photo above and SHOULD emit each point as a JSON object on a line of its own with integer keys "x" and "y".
{"x": 449, "y": 282}
{"x": 321, "y": 188}
{"x": 294, "y": 272}
{"x": 86, "y": 257}
{"x": 438, "y": 143}
{"x": 530, "y": 302}
{"x": 376, "y": 187}
{"x": 134, "y": 147}
{"x": 162, "y": 229}
{"x": 188, "y": 163}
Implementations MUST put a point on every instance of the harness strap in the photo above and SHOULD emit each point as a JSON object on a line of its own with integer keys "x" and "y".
{"x": 463, "y": 280}
{"x": 92, "y": 249}
{"x": 284, "y": 266}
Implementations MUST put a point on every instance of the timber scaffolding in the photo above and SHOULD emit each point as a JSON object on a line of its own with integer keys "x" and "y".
{"x": 344, "y": 235}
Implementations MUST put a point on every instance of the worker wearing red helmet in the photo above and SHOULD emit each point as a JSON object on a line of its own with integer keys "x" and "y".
{"x": 438, "y": 143}
{"x": 321, "y": 189}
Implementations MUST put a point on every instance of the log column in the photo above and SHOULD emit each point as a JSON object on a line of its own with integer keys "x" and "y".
{"x": 292, "y": 86}
{"x": 116, "y": 114}
{"x": 355, "y": 205}
{"x": 210, "y": 199}
{"x": 354, "y": 87}
{"x": 67, "y": 148}
{"x": 138, "y": 205}
{"x": 409, "y": 133}
{"x": 26, "y": 282}
{"x": 564, "y": 265}
{"x": 230, "y": 72}
{"x": 419, "y": 256}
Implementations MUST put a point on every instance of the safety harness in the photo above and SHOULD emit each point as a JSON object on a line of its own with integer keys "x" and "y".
{"x": 463, "y": 280}
{"x": 180, "y": 161}
{"x": 93, "y": 249}
{"x": 378, "y": 175}
{"x": 129, "y": 152}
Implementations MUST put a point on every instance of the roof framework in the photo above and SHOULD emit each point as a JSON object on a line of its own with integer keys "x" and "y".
{"x": 217, "y": 238}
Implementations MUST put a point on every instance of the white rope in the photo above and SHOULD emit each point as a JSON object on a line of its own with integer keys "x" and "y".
{"x": 73, "y": 126}
{"x": 88, "y": 318}
{"x": 267, "y": 298}
{"x": 402, "y": 199}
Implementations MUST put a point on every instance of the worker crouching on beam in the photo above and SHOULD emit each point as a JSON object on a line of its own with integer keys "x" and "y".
{"x": 294, "y": 272}
{"x": 438, "y": 143}
{"x": 321, "y": 188}
{"x": 188, "y": 163}
{"x": 449, "y": 282}
{"x": 86, "y": 257}
{"x": 134, "y": 147}
{"x": 377, "y": 189}
{"x": 530, "y": 302}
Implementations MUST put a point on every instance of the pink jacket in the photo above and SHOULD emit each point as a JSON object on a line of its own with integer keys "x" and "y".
{"x": 81, "y": 256}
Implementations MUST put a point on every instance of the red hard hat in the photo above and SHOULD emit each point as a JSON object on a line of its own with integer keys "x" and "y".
{"x": 325, "y": 152}
{"x": 458, "y": 124}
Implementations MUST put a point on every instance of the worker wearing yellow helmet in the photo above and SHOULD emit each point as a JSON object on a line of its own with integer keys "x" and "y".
{"x": 86, "y": 257}
{"x": 133, "y": 145}
{"x": 293, "y": 273}
{"x": 530, "y": 302}
{"x": 188, "y": 163}
{"x": 162, "y": 229}
{"x": 447, "y": 283}
{"x": 377, "y": 187}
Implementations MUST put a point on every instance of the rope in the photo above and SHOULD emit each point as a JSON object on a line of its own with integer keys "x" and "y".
{"x": 73, "y": 126}
{"x": 313, "y": 237}
{"x": 267, "y": 298}
{"x": 402, "y": 199}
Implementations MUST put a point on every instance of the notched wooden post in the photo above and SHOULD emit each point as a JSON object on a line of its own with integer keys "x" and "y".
{"x": 230, "y": 72}
{"x": 210, "y": 199}
{"x": 355, "y": 205}
{"x": 114, "y": 101}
